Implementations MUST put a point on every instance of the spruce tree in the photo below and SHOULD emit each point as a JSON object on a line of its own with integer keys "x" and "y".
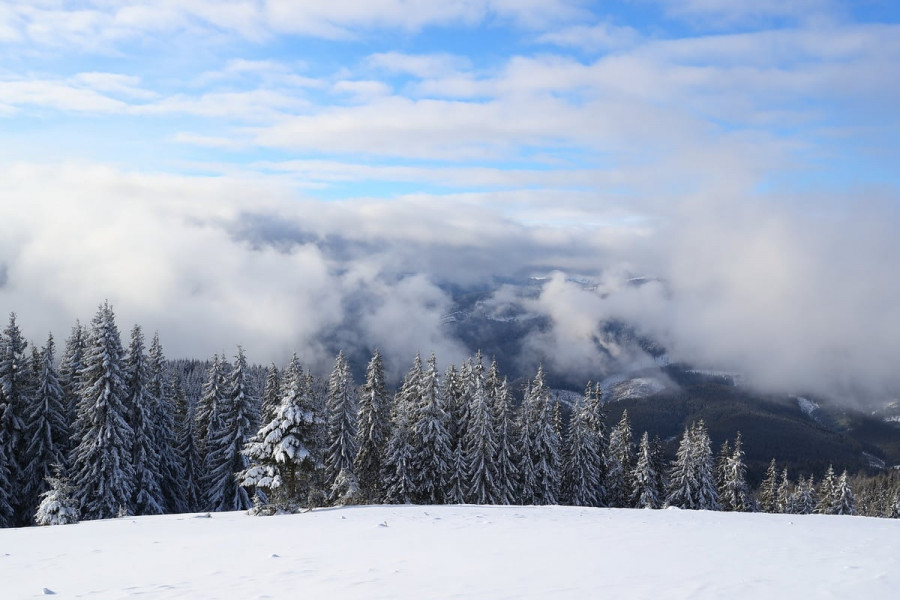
{"x": 70, "y": 366}
{"x": 768, "y": 491}
{"x": 735, "y": 494}
{"x": 455, "y": 401}
{"x": 844, "y": 502}
{"x": 186, "y": 451}
{"x": 432, "y": 455}
{"x": 480, "y": 442}
{"x": 619, "y": 464}
{"x": 804, "y": 498}
{"x": 210, "y": 404}
{"x": 399, "y": 478}
{"x": 583, "y": 463}
{"x": 271, "y": 398}
{"x": 373, "y": 430}
{"x": 102, "y": 472}
{"x": 57, "y": 505}
{"x": 284, "y": 455}
{"x": 647, "y": 480}
{"x": 165, "y": 439}
{"x": 142, "y": 411}
{"x": 228, "y": 435}
{"x": 692, "y": 477}
{"x": 340, "y": 407}
{"x": 826, "y": 493}
{"x": 784, "y": 494}
{"x": 14, "y": 399}
{"x": 505, "y": 457}
{"x": 541, "y": 465}
{"x": 722, "y": 469}
{"x": 47, "y": 426}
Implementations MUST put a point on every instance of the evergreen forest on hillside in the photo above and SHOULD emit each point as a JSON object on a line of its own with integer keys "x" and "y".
{"x": 111, "y": 430}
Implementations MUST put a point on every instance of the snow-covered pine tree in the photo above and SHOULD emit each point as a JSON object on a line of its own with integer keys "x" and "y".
{"x": 211, "y": 402}
{"x": 692, "y": 478}
{"x": 541, "y": 470}
{"x": 826, "y": 493}
{"x": 455, "y": 402}
{"x": 804, "y": 499}
{"x": 228, "y": 436}
{"x": 47, "y": 426}
{"x": 480, "y": 441}
{"x": 340, "y": 416}
{"x": 399, "y": 479}
{"x": 159, "y": 386}
{"x": 57, "y": 505}
{"x": 373, "y": 430}
{"x": 583, "y": 463}
{"x": 14, "y": 388}
{"x": 768, "y": 491}
{"x": 432, "y": 455}
{"x": 142, "y": 411}
{"x": 7, "y": 513}
{"x": 505, "y": 457}
{"x": 271, "y": 398}
{"x": 784, "y": 494}
{"x": 844, "y": 502}
{"x": 102, "y": 473}
{"x": 186, "y": 451}
{"x": 619, "y": 464}
{"x": 284, "y": 455}
{"x": 647, "y": 480}
{"x": 735, "y": 494}
{"x": 70, "y": 366}
{"x": 722, "y": 469}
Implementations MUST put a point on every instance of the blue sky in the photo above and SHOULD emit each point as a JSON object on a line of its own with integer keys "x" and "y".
{"x": 285, "y": 160}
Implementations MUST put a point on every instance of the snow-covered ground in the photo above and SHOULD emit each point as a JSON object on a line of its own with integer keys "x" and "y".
{"x": 465, "y": 552}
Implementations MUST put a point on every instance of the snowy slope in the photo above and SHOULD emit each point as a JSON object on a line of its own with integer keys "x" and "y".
{"x": 465, "y": 552}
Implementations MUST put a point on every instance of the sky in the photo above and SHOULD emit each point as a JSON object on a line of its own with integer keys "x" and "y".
{"x": 278, "y": 173}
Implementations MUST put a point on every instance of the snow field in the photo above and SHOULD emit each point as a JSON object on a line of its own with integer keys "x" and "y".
{"x": 461, "y": 552}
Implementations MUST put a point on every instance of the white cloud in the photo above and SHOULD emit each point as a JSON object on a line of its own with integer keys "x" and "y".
{"x": 593, "y": 38}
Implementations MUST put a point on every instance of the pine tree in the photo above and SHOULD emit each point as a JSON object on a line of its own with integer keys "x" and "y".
{"x": 583, "y": 464}
{"x": 505, "y": 457}
{"x": 284, "y": 455}
{"x": 722, "y": 469}
{"x": 271, "y": 398}
{"x": 227, "y": 439}
{"x": 826, "y": 493}
{"x": 341, "y": 408}
{"x": 70, "y": 366}
{"x": 619, "y": 463}
{"x": 7, "y": 513}
{"x": 165, "y": 439}
{"x": 399, "y": 480}
{"x": 648, "y": 486}
{"x": 373, "y": 430}
{"x": 540, "y": 466}
{"x": 804, "y": 499}
{"x": 432, "y": 456}
{"x": 210, "y": 404}
{"x": 186, "y": 451}
{"x": 844, "y": 502}
{"x": 480, "y": 441}
{"x": 47, "y": 426}
{"x": 57, "y": 505}
{"x": 784, "y": 494}
{"x": 14, "y": 387}
{"x": 142, "y": 410}
{"x": 102, "y": 473}
{"x": 455, "y": 402}
{"x": 768, "y": 491}
{"x": 692, "y": 478}
{"x": 735, "y": 494}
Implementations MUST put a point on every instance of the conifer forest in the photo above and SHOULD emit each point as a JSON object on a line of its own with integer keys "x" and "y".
{"x": 106, "y": 428}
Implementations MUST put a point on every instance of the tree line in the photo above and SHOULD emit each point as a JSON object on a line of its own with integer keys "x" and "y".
{"x": 110, "y": 432}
